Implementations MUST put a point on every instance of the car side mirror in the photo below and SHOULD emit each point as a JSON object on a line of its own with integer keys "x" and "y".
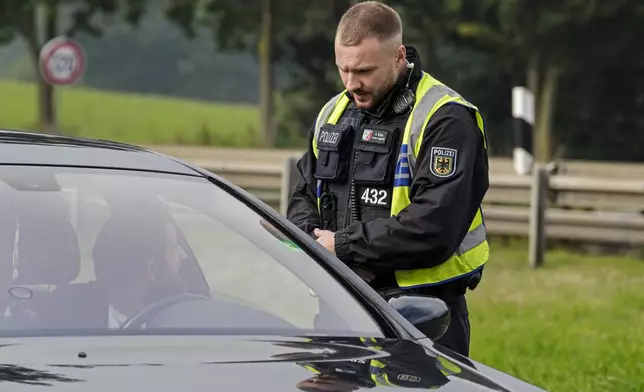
{"x": 427, "y": 313}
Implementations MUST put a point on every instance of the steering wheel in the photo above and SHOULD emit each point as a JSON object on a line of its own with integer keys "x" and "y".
{"x": 151, "y": 310}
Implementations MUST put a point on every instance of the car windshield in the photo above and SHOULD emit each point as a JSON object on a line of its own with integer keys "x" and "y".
{"x": 110, "y": 251}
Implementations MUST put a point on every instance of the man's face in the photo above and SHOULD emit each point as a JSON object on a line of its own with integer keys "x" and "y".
{"x": 174, "y": 253}
{"x": 369, "y": 70}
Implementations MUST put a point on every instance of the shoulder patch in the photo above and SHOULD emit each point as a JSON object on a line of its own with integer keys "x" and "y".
{"x": 443, "y": 161}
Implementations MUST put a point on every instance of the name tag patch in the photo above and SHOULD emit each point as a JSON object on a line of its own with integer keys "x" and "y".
{"x": 374, "y": 136}
{"x": 371, "y": 196}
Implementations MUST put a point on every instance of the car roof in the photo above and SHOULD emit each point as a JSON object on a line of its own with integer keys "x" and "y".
{"x": 29, "y": 148}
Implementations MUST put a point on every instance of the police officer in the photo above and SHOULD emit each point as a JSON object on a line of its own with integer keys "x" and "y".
{"x": 396, "y": 170}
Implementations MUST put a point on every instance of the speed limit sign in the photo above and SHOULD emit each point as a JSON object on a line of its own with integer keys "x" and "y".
{"x": 62, "y": 61}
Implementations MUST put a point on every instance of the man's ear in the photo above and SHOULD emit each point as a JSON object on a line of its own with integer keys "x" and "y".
{"x": 401, "y": 57}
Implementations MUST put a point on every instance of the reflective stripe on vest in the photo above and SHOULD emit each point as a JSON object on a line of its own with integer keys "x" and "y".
{"x": 378, "y": 374}
{"x": 473, "y": 252}
{"x": 331, "y": 111}
{"x": 376, "y": 367}
{"x": 312, "y": 369}
{"x": 447, "y": 368}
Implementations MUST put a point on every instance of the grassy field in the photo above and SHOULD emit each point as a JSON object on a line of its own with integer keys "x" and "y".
{"x": 133, "y": 118}
{"x": 577, "y": 324}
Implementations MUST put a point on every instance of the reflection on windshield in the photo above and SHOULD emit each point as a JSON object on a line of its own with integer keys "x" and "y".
{"x": 278, "y": 234}
{"x": 97, "y": 250}
{"x": 23, "y": 375}
{"x": 394, "y": 363}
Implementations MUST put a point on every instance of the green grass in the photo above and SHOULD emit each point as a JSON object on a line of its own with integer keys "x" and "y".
{"x": 577, "y": 324}
{"x": 140, "y": 119}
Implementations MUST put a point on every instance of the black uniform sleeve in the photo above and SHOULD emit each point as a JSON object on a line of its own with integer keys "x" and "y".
{"x": 430, "y": 229}
{"x": 302, "y": 208}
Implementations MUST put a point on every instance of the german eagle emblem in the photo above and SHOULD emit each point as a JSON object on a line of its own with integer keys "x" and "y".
{"x": 443, "y": 161}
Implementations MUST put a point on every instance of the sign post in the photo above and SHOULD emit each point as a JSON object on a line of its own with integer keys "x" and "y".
{"x": 523, "y": 113}
{"x": 61, "y": 62}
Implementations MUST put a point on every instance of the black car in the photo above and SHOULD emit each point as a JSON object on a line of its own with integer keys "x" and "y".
{"x": 123, "y": 269}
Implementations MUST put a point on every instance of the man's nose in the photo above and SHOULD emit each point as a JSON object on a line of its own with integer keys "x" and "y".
{"x": 353, "y": 82}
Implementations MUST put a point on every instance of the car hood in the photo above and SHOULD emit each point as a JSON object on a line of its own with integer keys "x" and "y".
{"x": 207, "y": 363}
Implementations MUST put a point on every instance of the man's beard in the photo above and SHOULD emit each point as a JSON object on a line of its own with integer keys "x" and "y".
{"x": 383, "y": 90}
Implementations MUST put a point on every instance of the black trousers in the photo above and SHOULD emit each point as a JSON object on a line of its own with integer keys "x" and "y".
{"x": 457, "y": 336}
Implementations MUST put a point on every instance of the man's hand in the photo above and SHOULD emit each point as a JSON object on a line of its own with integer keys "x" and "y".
{"x": 366, "y": 275}
{"x": 326, "y": 238}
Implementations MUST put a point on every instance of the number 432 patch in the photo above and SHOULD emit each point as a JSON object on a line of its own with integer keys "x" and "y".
{"x": 379, "y": 197}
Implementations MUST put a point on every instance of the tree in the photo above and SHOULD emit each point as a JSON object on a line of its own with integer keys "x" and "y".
{"x": 38, "y": 21}
{"x": 482, "y": 48}
{"x": 546, "y": 40}
{"x": 297, "y": 40}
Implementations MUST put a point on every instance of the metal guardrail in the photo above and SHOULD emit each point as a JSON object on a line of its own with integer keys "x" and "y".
{"x": 586, "y": 201}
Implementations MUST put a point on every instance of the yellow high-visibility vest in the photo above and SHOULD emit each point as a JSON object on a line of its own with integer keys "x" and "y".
{"x": 431, "y": 94}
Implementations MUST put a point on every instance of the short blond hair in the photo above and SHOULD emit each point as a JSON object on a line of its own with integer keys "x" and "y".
{"x": 369, "y": 19}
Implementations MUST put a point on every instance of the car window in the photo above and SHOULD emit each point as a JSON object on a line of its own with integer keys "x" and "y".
{"x": 100, "y": 249}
